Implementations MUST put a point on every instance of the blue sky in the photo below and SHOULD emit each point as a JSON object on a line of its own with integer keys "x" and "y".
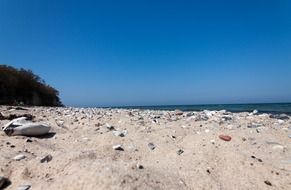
{"x": 106, "y": 53}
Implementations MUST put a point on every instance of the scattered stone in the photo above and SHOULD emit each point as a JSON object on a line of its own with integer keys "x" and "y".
{"x": 207, "y": 130}
{"x": 15, "y": 116}
{"x": 225, "y": 137}
{"x": 278, "y": 147}
{"x": 268, "y": 183}
{"x": 289, "y": 136}
{"x": 178, "y": 112}
{"x": 279, "y": 116}
{"x": 118, "y": 147}
{"x": 3, "y": 180}
{"x": 46, "y": 159}
{"x": 254, "y": 125}
{"x": 120, "y": 133}
{"x": 152, "y": 146}
{"x": 243, "y": 139}
{"x": 180, "y": 151}
{"x": 212, "y": 141}
{"x": 28, "y": 140}
{"x": 109, "y": 127}
{"x": 23, "y": 187}
{"x": 19, "y": 157}
{"x": 139, "y": 166}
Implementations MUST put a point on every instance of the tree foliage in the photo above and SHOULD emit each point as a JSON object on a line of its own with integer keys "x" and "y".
{"x": 23, "y": 86}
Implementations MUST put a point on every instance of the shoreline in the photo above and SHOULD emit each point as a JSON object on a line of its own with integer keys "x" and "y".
{"x": 107, "y": 148}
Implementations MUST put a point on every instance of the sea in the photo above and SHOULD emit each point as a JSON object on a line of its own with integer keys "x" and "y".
{"x": 275, "y": 108}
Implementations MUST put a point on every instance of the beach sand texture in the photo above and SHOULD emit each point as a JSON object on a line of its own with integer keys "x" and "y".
{"x": 159, "y": 150}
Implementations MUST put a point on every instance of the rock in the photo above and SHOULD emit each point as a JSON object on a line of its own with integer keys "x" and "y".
{"x": 3, "y": 180}
{"x": 19, "y": 157}
{"x": 289, "y": 136}
{"x": 255, "y": 112}
{"x": 21, "y": 126}
{"x": 278, "y": 147}
{"x": 254, "y": 125}
{"x": 46, "y": 159}
{"x": 120, "y": 133}
{"x": 178, "y": 112}
{"x": 268, "y": 183}
{"x": 180, "y": 151}
{"x": 280, "y": 121}
{"x": 118, "y": 147}
{"x": 151, "y": 146}
{"x": 139, "y": 166}
{"x": 23, "y": 187}
{"x": 212, "y": 141}
{"x": 207, "y": 130}
{"x": 109, "y": 127}
{"x": 225, "y": 137}
{"x": 279, "y": 116}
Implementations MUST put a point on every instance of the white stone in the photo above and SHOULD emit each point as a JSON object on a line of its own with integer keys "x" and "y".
{"x": 19, "y": 157}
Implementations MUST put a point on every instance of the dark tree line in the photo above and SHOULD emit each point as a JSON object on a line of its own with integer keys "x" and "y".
{"x": 20, "y": 86}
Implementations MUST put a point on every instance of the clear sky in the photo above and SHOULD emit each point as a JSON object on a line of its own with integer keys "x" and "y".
{"x": 147, "y": 52}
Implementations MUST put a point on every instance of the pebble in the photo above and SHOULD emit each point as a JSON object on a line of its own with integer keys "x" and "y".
{"x": 2, "y": 181}
{"x": 278, "y": 147}
{"x": 289, "y": 136}
{"x": 225, "y": 137}
{"x": 180, "y": 151}
{"x": 152, "y": 146}
{"x": 212, "y": 141}
{"x": 139, "y": 166}
{"x": 110, "y": 127}
{"x": 23, "y": 187}
{"x": 118, "y": 147}
{"x": 46, "y": 159}
{"x": 207, "y": 130}
{"x": 19, "y": 157}
{"x": 120, "y": 133}
{"x": 268, "y": 183}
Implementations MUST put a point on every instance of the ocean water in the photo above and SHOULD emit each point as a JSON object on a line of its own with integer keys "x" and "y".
{"x": 263, "y": 108}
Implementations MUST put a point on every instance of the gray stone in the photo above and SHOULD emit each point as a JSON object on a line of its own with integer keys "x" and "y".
{"x": 151, "y": 146}
{"x": 23, "y": 187}
{"x": 47, "y": 158}
{"x": 180, "y": 151}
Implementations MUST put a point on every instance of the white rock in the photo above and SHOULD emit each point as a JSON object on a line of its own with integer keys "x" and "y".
{"x": 19, "y": 157}
{"x": 280, "y": 121}
{"x": 118, "y": 147}
{"x": 21, "y": 126}
{"x": 278, "y": 147}
{"x": 207, "y": 130}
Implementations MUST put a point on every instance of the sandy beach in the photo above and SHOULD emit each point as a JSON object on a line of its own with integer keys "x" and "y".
{"x": 157, "y": 150}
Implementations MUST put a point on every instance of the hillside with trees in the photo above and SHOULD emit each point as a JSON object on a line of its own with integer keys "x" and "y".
{"x": 20, "y": 86}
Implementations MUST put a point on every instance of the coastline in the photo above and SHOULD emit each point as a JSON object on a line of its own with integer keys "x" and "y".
{"x": 161, "y": 150}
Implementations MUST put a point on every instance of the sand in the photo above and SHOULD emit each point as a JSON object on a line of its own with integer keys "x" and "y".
{"x": 185, "y": 151}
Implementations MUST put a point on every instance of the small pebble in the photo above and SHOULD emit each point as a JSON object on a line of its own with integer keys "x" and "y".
{"x": 23, "y": 187}
{"x": 46, "y": 159}
{"x": 180, "y": 151}
{"x": 118, "y": 147}
{"x": 151, "y": 146}
{"x": 139, "y": 166}
{"x": 268, "y": 183}
{"x": 19, "y": 157}
{"x": 225, "y": 137}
